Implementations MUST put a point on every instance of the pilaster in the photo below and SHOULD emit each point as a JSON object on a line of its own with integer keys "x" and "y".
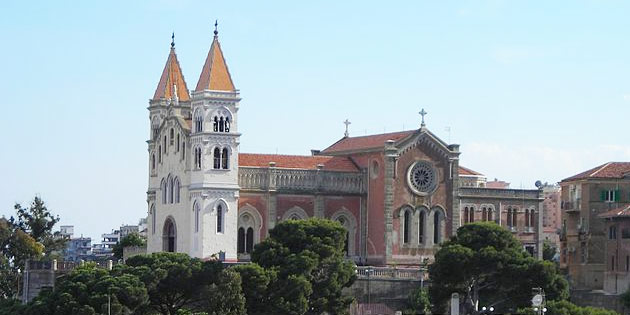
{"x": 391, "y": 153}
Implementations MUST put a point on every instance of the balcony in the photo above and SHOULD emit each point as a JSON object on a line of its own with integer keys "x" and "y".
{"x": 571, "y": 206}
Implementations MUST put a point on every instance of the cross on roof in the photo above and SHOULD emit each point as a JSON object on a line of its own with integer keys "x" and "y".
{"x": 422, "y": 113}
{"x": 216, "y": 25}
{"x": 173, "y": 40}
{"x": 347, "y": 122}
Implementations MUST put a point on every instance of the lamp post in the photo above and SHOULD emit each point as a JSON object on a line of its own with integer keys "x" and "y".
{"x": 487, "y": 310}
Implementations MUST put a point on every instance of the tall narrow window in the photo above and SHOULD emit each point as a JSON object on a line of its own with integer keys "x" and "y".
{"x": 224, "y": 158}
{"x": 153, "y": 219}
{"x": 240, "y": 241}
{"x": 172, "y": 139}
{"x": 215, "y": 124}
{"x": 509, "y": 217}
{"x": 490, "y": 218}
{"x": 177, "y": 188}
{"x": 221, "y": 124}
{"x": 196, "y": 209}
{"x": 627, "y": 263}
{"x": 466, "y": 216}
{"x": 160, "y": 154}
{"x": 217, "y": 158}
{"x": 527, "y": 223}
{"x": 198, "y": 123}
{"x": 163, "y": 188}
{"x": 153, "y": 161}
{"x": 436, "y": 228}
{"x": 406, "y": 225}
{"x": 421, "y": 228}
{"x": 171, "y": 190}
{"x": 472, "y": 215}
{"x": 177, "y": 147}
{"x": 227, "y": 124}
{"x": 484, "y": 214}
{"x": 515, "y": 218}
{"x": 164, "y": 146}
{"x": 183, "y": 150}
{"x": 250, "y": 240}
{"x": 532, "y": 218}
{"x": 219, "y": 219}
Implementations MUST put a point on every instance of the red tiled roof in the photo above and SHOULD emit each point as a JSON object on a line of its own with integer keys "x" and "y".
{"x": 331, "y": 163}
{"x": 172, "y": 78}
{"x": 617, "y": 213}
{"x": 468, "y": 172}
{"x": 366, "y": 142}
{"x": 607, "y": 170}
{"x": 215, "y": 74}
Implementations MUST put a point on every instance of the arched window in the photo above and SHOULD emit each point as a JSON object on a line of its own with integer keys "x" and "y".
{"x": 160, "y": 154}
{"x": 198, "y": 122}
{"x": 490, "y": 215}
{"x": 177, "y": 147}
{"x": 169, "y": 236}
{"x": 217, "y": 158}
{"x": 527, "y": 223}
{"x": 172, "y": 138}
{"x": 421, "y": 228}
{"x": 249, "y": 244}
{"x": 198, "y": 158}
{"x": 472, "y": 215}
{"x": 215, "y": 124}
{"x": 406, "y": 225}
{"x": 164, "y": 191}
{"x": 466, "y": 216}
{"x": 196, "y": 210}
{"x": 221, "y": 125}
{"x": 224, "y": 158}
{"x": 177, "y": 190}
{"x": 153, "y": 161}
{"x": 170, "y": 190}
{"x": 219, "y": 219}
{"x": 532, "y": 218}
{"x": 227, "y": 124}
{"x": 484, "y": 214}
{"x": 437, "y": 217}
{"x": 164, "y": 144}
{"x": 240, "y": 241}
{"x": 515, "y": 218}
{"x": 183, "y": 150}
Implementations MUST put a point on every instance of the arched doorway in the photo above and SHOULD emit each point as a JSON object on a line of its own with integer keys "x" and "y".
{"x": 169, "y": 236}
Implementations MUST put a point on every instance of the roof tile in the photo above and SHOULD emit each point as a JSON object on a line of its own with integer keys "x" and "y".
{"x": 606, "y": 170}
{"x": 366, "y": 142}
{"x": 331, "y": 163}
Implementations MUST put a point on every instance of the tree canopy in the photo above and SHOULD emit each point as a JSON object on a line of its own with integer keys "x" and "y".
{"x": 482, "y": 262}
{"x": 133, "y": 239}
{"x": 305, "y": 263}
{"x": 38, "y": 222}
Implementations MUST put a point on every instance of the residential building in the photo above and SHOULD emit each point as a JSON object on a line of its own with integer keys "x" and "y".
{"x": 583, "y": 236}
{"x": 552, "y": 214}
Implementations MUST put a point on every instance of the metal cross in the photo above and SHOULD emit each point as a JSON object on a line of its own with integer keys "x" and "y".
{"x": 347, "y": 122}
{"x": 422, "y": 113}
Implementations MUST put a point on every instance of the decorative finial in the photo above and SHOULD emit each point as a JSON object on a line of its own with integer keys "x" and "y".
{"x": 216, "y": 26}
{"x": 422, "y": 113}
{"x": 347, "y": 122}
{"x": 173, "y": 40}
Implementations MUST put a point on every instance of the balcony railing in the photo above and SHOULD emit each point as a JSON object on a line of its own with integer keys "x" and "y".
{"x": 301, "y": 180}
{"x": 365, "y": 272}
{"x": 571, "y": 205}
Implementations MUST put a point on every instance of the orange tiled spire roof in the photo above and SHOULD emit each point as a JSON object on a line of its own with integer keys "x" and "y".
{"x": 215, "y": 74}
{"x": 172, "y": 78}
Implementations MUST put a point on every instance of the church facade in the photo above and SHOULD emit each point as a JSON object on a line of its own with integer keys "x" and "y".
{"x": 398, "y": 195}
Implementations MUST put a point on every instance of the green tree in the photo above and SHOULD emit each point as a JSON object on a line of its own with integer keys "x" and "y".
{"x": 38, "y": 222}
{"x": 257, "y": 294}
{"x": 549, "y": 251}
{"x": 16, "y": 247}
{"x": 91, "y": 290}
{"x": 174, "y": 281}
{"x": 482, "y": 262}
{"x": 133, "y": 239}
{"x": 225, "y": 296}
{"x": 418, "y": 302}
{"x": 310, "y": 263}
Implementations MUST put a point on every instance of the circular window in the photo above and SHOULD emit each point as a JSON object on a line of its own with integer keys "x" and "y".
{"x": 422, "y": 177}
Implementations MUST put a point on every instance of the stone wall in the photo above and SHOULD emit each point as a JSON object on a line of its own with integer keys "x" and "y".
{"x": 598, "y": 299}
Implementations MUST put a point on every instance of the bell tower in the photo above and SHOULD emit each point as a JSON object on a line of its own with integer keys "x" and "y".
{"x": 214, "y": 189}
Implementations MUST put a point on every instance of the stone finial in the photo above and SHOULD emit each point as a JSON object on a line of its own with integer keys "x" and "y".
{"x": 422, "y": 113}
{"x": 346, "y": 122}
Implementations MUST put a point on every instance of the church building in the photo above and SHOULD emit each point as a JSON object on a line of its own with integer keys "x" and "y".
{"x": 398, "y": 195}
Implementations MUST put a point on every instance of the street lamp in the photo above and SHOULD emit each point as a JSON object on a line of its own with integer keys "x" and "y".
{"x": 487, "y": 310}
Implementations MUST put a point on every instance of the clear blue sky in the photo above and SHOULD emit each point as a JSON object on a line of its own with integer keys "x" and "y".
{"x": 530, "y": 89}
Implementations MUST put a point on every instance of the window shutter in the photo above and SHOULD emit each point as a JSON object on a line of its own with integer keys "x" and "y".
{"x": 602, "y": 195}
{"x": 617, "y": 195}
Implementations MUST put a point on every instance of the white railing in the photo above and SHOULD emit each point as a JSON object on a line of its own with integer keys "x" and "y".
{"x": 369, "y": 272}
{"x": 254, "y": 178}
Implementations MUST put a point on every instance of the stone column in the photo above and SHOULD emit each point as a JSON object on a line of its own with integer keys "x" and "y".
{"x": 363, "y": 226}
{"x": 319, "y": 206}
{"x": 391, "y": 153}
{"x": 539, "y": 225}
{"x": 271, "y": 196}
{"x": 455, "y": 206}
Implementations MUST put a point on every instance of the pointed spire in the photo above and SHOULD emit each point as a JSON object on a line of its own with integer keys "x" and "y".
{"x": 215, "y": 74}
{"x": 172, "y": 79}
